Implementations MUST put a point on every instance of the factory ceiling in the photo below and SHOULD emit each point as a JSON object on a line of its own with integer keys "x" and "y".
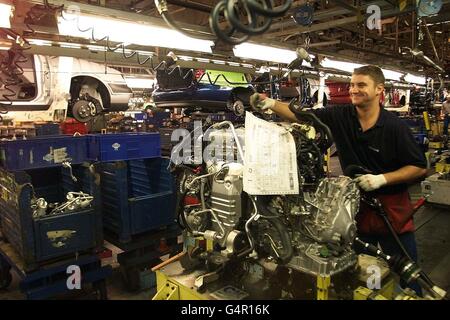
{"x": 337, "y": 28}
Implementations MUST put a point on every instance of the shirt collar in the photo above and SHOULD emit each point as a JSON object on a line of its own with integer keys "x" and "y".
{"x": 381, "y": 117}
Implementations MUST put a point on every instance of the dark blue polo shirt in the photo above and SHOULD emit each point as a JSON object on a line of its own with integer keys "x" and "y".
{"x": 388, "y": 146}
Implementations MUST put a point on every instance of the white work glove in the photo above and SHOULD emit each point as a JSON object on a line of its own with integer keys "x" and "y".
{"x": 370, "y": 182}
{"x": 260, "y": 101}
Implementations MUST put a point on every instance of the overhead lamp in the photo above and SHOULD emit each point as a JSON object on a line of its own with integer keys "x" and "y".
{"x": 132, "y": 33}
{"x": 414, "y": 79}
{"x": 265, "y": 53}
{"x": 5, "y": 15}
{"x": 340, "y": 65}
{"x": 350, "y": 66}
{"x": 392, "y": 75}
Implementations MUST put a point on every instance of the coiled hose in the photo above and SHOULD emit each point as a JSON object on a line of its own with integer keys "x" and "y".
{"x": 258, "y": 13}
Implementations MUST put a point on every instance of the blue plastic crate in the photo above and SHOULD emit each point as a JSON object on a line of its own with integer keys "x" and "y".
{"x": 42, "y": 152}
{"x": 39, "y": 240}
{"x": 137, "y": 196}
{"x": 123, "y": 146}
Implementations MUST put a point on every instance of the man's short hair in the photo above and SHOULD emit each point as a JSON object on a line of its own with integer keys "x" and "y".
{"x": 372, "y": 71}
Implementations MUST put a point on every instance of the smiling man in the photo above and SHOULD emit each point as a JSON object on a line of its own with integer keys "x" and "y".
{"x": 369, "y": 136}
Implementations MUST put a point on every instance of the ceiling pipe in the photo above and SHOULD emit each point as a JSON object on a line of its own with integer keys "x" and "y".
{"x": 431, "y": 40}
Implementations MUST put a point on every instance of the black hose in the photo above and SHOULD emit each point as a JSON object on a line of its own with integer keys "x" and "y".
{"x": 323, "y": 128}
{"x": 288, "y": 251}
{"x": 375, "y": 203}
{"x": 283, "y": 232}
{"x": 255, "y": 10}
{"x": 399, "y": 243}
{"x": 224, "y": 35}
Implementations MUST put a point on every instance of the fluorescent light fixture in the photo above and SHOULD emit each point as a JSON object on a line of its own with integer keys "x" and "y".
{"x": 40, "y": 42}
{"x": 392, "y": 75}
{"x": 185, "y": 58}
{"x": 5, "y": 15}
{"x": 415, "y": 79}
{"x": 129, "y": 32}
{"x": 69, "y": 45}
{"x": 350, "y": 66}
{"x": 140, "y": 83}
{"x": 96, "y": 48}
{"x": 264, "y": 53}
{"x": 340, "y": 65}
{"x": 203, "y": 60}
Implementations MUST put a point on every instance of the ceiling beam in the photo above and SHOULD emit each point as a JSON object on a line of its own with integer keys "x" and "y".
{"x": 121, "y": 15}
{"x": 314, "y": 27}
{"x": 321, "y": 15}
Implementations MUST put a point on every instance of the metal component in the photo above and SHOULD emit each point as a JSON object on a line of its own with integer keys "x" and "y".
{"x": 40, "y": 208}
{"x": 310, "y": 233}
{"x": 334, "y": 207}
{"x": 232, "y": 242}
{"x": 437, "y": 188}
{"x": 75, "y": 200}
{"x": 66, "y": 164}
{"x": 309, "y": 261}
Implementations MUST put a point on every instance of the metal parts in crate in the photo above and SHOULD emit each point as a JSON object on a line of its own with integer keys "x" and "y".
{"x": 75, "y": 201}
{"x": 42, "y": 152}
{"x": 137, "y": 196}
{"x": 39, "y": 232}
{"x": 123, "y": 146}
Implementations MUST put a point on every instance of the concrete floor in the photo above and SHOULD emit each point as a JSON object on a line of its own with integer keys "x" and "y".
{"x": 433, "y": 240}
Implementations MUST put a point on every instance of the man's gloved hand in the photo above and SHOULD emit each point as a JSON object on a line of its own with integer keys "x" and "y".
{"x": 370, "y": 182}
{"x": 260, "y": 101}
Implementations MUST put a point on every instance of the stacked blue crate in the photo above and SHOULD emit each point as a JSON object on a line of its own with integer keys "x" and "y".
{"x": 137, "y": 196}
{"x": 40, "y": 239}
{"x": 42, "y": 152}
{"x": 123, "y": 146}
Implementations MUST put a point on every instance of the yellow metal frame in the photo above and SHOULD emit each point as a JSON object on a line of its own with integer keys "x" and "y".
{"x": 426, "y": 120}
{"x": 168, "y": 289}
{"x": 436, "y": 145}
{"x": 442, "y": 167}
{"x": 386, "y": 292}
{"x": 323, "y": 283}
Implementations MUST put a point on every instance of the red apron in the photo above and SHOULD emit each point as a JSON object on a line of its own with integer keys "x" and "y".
{"x": 399, "y": 210}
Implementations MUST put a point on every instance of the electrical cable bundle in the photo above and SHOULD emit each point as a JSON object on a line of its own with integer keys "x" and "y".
{"x": 11, "y": 68}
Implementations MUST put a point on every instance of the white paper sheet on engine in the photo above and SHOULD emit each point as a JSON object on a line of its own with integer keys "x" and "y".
{"x": 270, "y": 158}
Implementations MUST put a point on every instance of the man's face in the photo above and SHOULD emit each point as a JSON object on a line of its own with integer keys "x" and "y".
{"x": 363, "y": 90}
